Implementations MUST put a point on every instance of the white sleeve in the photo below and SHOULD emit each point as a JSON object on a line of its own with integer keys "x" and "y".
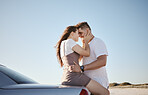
{"x": 71, "y": 43}
{"x": 100, "y": 48}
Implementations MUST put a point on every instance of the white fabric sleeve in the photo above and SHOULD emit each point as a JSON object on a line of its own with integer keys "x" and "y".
{"x": 71, "y": 43}
{"x": 100, "y": 48}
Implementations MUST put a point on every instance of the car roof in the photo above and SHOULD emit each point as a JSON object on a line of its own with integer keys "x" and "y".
{"x": 2, "y": 65}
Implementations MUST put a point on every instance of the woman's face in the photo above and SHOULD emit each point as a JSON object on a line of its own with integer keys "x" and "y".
{"x": 76, "y": 36}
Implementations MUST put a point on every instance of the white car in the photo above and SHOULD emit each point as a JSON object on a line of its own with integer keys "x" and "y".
{"x": 14, "y": 83}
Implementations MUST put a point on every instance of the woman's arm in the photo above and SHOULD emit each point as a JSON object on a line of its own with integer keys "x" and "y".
{"x": 80, "y": 58}
{"x": 85, "y": 50}
{"x": 82, "y": 51}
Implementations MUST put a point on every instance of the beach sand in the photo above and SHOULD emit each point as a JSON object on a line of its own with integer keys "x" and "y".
{"x": 128, "y": 91}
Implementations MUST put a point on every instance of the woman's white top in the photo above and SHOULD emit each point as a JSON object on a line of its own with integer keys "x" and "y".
{"x": 66, "y": 47}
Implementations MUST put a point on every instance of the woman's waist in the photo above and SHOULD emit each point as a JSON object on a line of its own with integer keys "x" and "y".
{"x": 69, "y": 74}
{"x": 67, "y": 64}
{"x": 70, "y": 60}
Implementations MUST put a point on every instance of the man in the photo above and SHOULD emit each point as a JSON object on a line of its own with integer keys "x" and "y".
{"x": 94, "y": 65}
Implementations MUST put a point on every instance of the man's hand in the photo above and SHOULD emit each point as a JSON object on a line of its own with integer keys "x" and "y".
{"x": 74, "y": 68}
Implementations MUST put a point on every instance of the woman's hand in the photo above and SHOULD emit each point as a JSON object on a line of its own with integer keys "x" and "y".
{"x": 74, "y": 68}
{"x": 87, "y": 37}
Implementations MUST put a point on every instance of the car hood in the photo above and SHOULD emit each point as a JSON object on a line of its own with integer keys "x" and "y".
{"x": 37, "y": 86}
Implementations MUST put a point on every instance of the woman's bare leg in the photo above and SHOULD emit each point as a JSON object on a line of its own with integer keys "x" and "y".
{"x": 97, "y": 89}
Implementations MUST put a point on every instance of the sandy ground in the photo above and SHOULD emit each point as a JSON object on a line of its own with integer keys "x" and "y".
{"x": 128, "y": 91}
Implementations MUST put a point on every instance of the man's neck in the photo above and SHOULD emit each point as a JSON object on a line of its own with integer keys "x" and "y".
{"x": 91, "y": 39}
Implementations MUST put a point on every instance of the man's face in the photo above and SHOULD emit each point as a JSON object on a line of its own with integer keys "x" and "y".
{"x": 81, "y": 32}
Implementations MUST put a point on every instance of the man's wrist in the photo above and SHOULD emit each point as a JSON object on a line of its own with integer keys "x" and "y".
{"x": 82, "y": 68}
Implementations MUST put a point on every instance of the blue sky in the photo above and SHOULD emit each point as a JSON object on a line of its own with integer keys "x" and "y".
{"x": 29, "y": 30}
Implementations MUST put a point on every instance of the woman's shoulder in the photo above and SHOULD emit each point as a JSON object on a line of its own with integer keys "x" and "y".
{"x": 69, "y": 41}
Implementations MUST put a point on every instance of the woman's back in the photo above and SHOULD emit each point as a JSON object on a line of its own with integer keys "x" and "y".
{"x": 67, "y": 54}
{"x": 68, "y": 58}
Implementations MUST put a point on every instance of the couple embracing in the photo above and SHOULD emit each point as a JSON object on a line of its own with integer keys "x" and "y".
{"x": 92, "y": 74}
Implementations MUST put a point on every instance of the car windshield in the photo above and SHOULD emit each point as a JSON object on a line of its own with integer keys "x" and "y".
{"x": 17, "y": 77}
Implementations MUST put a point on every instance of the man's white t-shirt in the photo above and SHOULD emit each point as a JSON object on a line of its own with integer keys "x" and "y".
{"x": 97, "y": 48}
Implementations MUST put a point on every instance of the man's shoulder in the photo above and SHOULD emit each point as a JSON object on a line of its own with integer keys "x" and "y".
{"x": 98, "y": 40}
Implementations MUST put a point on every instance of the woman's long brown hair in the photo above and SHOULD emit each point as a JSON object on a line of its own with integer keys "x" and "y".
{"x": 64, "y": 36}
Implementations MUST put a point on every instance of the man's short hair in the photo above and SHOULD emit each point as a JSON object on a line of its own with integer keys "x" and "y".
{"x": 83, "y": 25}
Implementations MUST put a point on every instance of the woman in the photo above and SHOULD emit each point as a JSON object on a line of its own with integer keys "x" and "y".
{"x": 68, "y": 53}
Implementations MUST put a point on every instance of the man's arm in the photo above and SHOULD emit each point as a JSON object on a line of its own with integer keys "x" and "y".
{"x": 100, "y": 62}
